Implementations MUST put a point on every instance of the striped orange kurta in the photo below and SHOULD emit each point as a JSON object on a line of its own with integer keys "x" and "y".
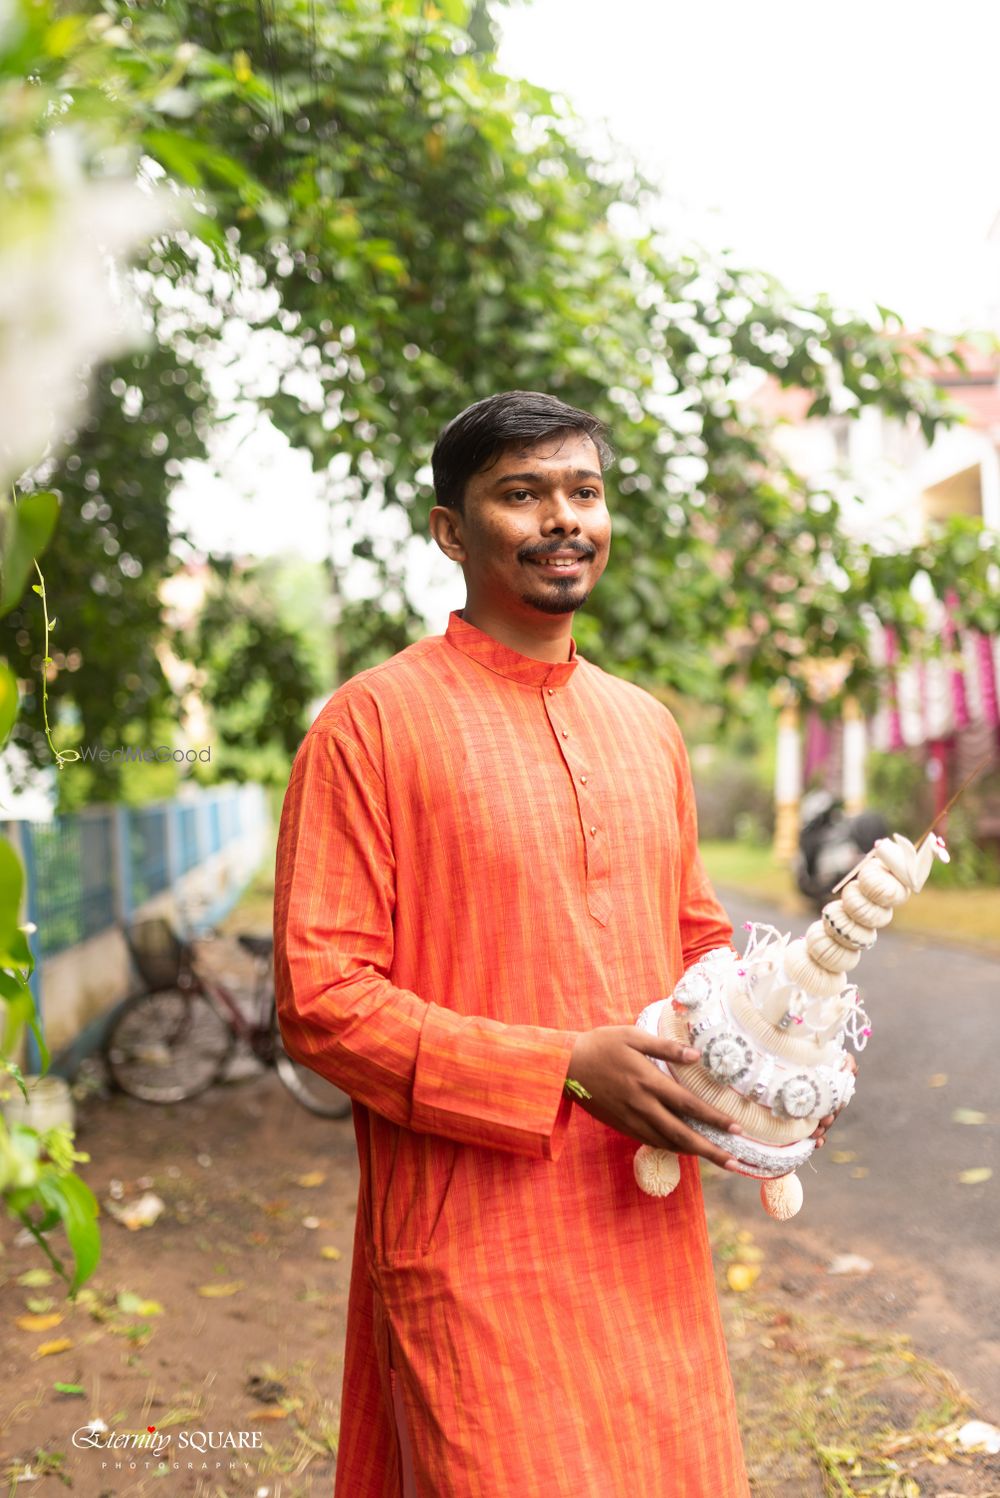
{"x": 481, "y": 855}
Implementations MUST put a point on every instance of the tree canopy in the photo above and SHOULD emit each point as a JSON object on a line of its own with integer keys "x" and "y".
{"x": 423, "y": 231}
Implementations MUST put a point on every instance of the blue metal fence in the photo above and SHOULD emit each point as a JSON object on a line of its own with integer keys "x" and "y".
{"x": 69, "y": 863}
{"x": 189, "y": 837}
{"x": 88, "y": 871}
{"x": 147, "y": 852}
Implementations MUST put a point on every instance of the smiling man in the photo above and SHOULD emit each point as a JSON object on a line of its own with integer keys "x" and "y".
{"x": 487, "y": 866}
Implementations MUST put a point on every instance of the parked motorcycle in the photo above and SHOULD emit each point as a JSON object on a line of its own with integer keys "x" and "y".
{"x": 831, "y": 843}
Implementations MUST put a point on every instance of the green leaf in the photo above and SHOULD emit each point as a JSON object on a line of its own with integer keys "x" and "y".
{"x": 77, "y": 1205}
{"x": 11, "y": 1067}
{"x": 8, "y": 702}
{"x": 25, "y": 531}
{"x": 454, "y": 11}
{"x": 15, "y": 950}
{"x": 44, "y": 1057}
{"x": 11, "y": 889}
{"x": 18, "y": 1011}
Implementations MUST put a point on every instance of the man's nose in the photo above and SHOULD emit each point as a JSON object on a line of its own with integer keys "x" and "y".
{"x": 560, "y": 513}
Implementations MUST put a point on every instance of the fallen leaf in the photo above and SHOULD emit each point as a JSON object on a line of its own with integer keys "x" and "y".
{"x": 976, "y": 1176}
{"x": 39, "y": 1323}
{"x": 134, "y": 1305}
{"x": 310, "y": 1222}
{"x": 742, "y": 1276}
{"x": 329, "y": 1252}
{"x": 849, "y": 1264}
{"x": 69, "y": 1388}
{"x": 313, "y": 1178}
{"x": 272, "y": 1413}
{"x": 968, "y": 1116}
{"x": 843, "y": 1157}
{"x": 39, "y": 1304}
{"x": 31, "y": 1279}
{"x": 45, "y": 1349}
{"x": 90, "y": 1301}
{"x": 138, "y": 1332}
{"x": 859, "y": 1172}
{"x": 939, "y": 1079}
{"x": 215, "y": 1292}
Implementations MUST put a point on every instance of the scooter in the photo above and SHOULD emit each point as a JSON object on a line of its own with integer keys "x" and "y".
{"x": 831, "y": 843}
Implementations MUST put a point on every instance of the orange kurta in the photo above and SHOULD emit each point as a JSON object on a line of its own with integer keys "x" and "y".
{"x": 482, "y": 854}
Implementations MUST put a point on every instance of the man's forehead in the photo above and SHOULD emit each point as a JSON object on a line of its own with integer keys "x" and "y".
{"x": 575, "y": 452}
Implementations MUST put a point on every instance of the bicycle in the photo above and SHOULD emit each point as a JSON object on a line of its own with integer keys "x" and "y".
{"x": 173, "y": 1040}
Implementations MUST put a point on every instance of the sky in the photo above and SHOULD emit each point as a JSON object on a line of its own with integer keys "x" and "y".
{"x": 850, "y": 149}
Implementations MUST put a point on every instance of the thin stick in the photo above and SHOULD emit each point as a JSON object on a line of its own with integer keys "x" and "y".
{"x": 987, "y": 759}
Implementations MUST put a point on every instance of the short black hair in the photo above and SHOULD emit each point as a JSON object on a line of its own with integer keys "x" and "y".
{"x": 482, "y": 431}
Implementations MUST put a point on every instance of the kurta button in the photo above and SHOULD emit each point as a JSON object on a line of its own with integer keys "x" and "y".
{"x": 551, "y": 690}
{"x": 593, "y": 831}
{"x": 565, "y": 733}
{"x": 583, "y": 780}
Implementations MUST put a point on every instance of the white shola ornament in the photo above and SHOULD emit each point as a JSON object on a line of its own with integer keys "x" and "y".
{"x": 772, "y": 1027}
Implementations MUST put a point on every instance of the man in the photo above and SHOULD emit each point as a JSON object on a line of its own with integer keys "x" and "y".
{"x": 487, "y": 866}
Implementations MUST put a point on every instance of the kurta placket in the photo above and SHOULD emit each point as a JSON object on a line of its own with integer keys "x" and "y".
{"x": 595, "y": 845}
{"x": 482, "y": 854}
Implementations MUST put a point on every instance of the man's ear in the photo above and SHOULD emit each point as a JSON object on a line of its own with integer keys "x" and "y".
{"x": 446, "y": 528}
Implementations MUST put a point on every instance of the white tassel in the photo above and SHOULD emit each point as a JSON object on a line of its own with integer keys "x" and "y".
{"x": 781, "y": 1198}
{"x": 657, "y": 1171}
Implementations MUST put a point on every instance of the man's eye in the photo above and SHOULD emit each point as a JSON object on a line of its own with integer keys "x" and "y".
{"x": 519, "y": 494}
{"x": 588, "y": 494}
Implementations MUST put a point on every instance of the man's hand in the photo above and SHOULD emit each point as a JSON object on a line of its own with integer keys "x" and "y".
{"x": 631, "y": 1095}
{"x": 819, "y": 1133}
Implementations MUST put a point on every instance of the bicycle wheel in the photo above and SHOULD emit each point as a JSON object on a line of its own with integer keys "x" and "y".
{"x": 168, "y": 1045}
{"x": 306, "y": 1086}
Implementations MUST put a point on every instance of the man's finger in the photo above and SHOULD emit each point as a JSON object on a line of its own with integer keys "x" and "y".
{"x": 684, "y": 1141}
{"x": 679, "y": 1100}
{"x": 665, "y": 1049}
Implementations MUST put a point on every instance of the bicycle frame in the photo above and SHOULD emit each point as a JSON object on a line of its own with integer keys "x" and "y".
{"x": 246, "y": 1029}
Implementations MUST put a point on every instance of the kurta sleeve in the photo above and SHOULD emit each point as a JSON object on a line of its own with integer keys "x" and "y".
{"x": 703, "y": 921}
{"x": 472, "y": 1079}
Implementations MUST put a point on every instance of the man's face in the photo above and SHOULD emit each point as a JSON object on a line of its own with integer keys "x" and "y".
{"x": 536, "y": 532}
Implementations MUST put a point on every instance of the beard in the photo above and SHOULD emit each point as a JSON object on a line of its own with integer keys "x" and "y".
{"x": 565, "y": 598}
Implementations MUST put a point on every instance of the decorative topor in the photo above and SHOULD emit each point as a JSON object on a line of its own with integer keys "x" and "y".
{"x": 772, "y": 1026}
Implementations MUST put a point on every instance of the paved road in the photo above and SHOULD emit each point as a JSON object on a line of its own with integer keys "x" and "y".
{"x": 934, "y": 1010}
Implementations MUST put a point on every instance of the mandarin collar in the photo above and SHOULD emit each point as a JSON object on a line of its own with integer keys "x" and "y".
{"x": 495, "y": 656}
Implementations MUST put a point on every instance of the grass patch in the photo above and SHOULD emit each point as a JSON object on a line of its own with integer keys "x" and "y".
{"x": 254, "y": 910}
{"x": 829, "y": 1412}
{"x": 750, "y": 869}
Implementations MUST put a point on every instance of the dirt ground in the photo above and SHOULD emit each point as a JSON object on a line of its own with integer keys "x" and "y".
{"x": 227, "y": 1315}
{"x": 247, "y": 1268}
